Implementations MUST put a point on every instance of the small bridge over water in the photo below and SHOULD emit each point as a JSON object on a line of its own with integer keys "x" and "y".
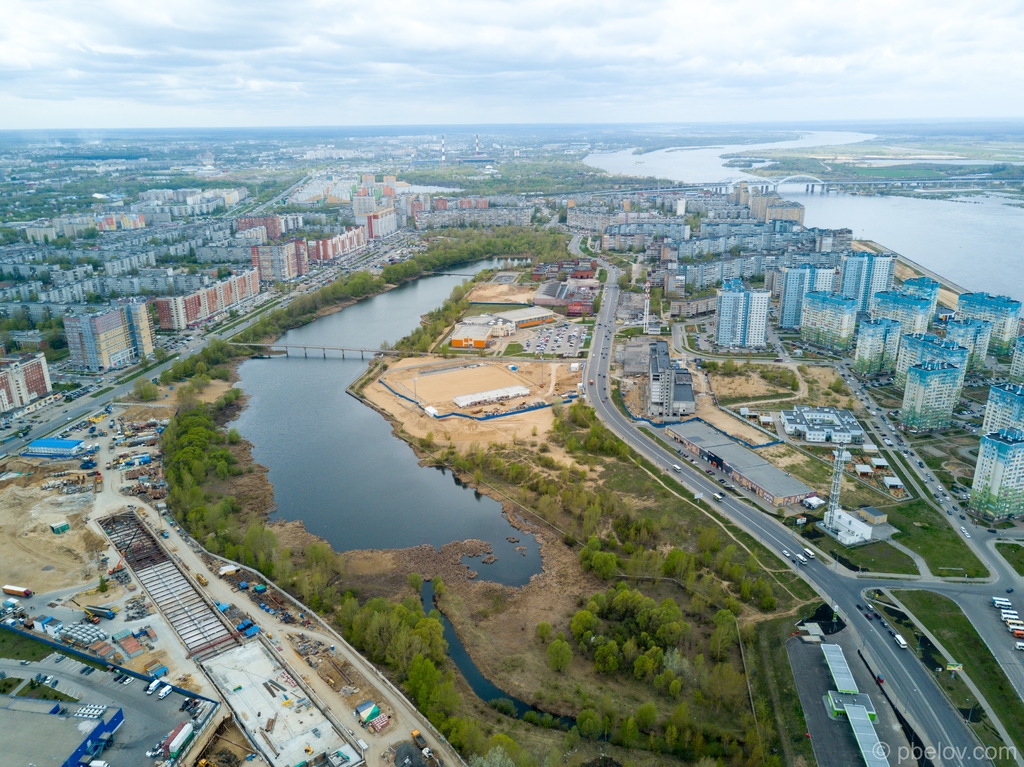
{"x": 353, "y": 350}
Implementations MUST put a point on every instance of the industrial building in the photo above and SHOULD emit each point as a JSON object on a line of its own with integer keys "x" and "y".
{"x": 471, "y": 336}
{"x": 798, "y": 281}
{"x": 927, "y": 347}
{"x": 527, "y": 317}
{"x": 742, "y": 315}
{"x": 998, "y": 489}
{"x": 864, "y": 274}
{"x": 931, "y": 395}
{"x": 1001, "y": 311}
{"x": 120, "y": 335}
{"x": 975, "y": 336}
{"x": 823, "y": 424}
{"x": 745, "y": 466}
{"x": 23, "y": 379}
{"x": 1004, "y": 409}
{"x": 670, "y": 390}
{"x": 828, "y": 320}
{"x": 53, "y": 448}
{"x": 912, "y": 312}
{"x": 878, "y": 346}
{"x": 36, "y": 731}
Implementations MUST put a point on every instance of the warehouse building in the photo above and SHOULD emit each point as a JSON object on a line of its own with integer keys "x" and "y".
{"x": 53, "y": 448}
{"x": 527, "y": 317}
{"x": 471, "y": 336}
{"x": 70, "y": 738}
{"x": 745, "y": 466}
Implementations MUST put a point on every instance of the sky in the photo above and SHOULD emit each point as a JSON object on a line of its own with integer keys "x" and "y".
{"x": 209, "y": 63}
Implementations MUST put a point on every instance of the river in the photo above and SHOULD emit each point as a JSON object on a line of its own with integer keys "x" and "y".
{"x": 335, "y": 464}
{"x": 973, "y": 241}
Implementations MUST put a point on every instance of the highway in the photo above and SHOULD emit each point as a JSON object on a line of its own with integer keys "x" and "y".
{"x": 908, "y": 681}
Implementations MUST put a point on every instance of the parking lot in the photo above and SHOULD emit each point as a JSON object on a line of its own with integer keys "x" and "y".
{"x": 565, "y": 339}
{"x": 147, "y": 718}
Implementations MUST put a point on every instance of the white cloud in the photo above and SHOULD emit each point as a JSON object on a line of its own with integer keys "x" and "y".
{"x": 113, "y": 63}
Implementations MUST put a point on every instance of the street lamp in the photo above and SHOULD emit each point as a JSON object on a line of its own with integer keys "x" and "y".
{"x": 971, "y": 712}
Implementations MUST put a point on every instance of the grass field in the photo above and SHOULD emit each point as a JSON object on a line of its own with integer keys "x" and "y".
{"x": 875, "y": 557}
{"x": 950, "y": 626}
{"x": 16, "y": 647}
{"x": 44, "y": 692}
{"x": 8, "y": 684}
{"x": 922, "y": 530}
{"x": 1014, "y": 554}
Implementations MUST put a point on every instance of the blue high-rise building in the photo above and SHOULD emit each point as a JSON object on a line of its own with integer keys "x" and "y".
{"x": 829, "y": 320}
{"x": 923, "y": 287}
{"x": 1004, "y": 409}
{"x": 864, "y": 274}
{"x": 1001, "y": 311}
{"x": 998, "y": 489}
{"x": 911, "y": 312}
{"x": 742, "y": 315}
{"x": 974, "y": 335}
{"x": 916, "y": 348}
{"x": 798, "y": 281}
{"x": 878, "y": 346}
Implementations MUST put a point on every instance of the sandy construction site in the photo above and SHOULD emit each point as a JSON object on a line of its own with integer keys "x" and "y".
{"x": 497, "y": 293}
{"x": 435, "y": 382}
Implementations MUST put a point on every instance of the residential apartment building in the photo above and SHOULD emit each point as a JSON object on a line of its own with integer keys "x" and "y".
{"x": 798, "y": 281}
{"x": 1017, "y": 363}
{"x": 828, "y": 320}
{"x": 923, "y": 287}
{"x": 23, "y": 378}
{"x": 932, "y": 392}
{"x": 974, "y": 335}
{"x": 927, "y": 347}
{"x": 180, "y": 312}
{"x": 670, "y": 390}
{"x": 110, "y": 338}
{"x": 1001, "y": 311}
{"x": 878, "y": 346}
{"x": 337, "y": 246}
{"x": 998, "y": 489}
{"x": 742, "y": 315}
{"x": 911, "y": 312}
{"x": 864, "y": 274}
{"x": 280, "y": 262}
{"x": 1004, "y": 409}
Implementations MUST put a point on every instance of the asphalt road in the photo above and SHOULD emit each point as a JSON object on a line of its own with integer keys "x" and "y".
{"x": 914, "y": 688}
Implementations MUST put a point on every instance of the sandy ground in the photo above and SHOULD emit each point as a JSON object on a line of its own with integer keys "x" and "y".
{"x": 498, "y": 293}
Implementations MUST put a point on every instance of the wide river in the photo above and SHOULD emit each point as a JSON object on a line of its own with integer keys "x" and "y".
{"x": 974, "y": 241}
{"x": 334, "y": 463}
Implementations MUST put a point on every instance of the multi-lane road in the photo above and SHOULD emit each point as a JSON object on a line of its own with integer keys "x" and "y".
{"x": 912, "y": 686}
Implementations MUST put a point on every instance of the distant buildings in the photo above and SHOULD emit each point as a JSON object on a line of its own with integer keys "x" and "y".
{"x": 109, "y": 339}
{"x": 911, "y": 312}
{"x": 742, "y": 315}
{"x": 797, "y": 281}
{"x": 927, "y": 347}
{"x": 275, "y": 226}
{"x": 998, "y": 489}
{"x": 23, "y": 378}
{"x": 864, "y": 274}
{"x": 1004, "y": 409}
{"x": 932, "y": 392}
{"x": 975, "y": 336}
{"x": 179, "y": 312}
{"x": 878, "y": 345}
{"x": 828, "y": 320}
{"x": 670, "y": 390}
{"x": 280, "y": 262}
{"x": 1001, "y": 311}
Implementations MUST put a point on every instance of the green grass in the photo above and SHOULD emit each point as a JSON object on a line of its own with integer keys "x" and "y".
{"x": 1014, "y": 554}
{"x": 44, "y": 692}
{"x": 8, "y": 684}
{"x": 514, "y": 350}
{"x": 875, "y": 557}
{"x": 101, "y": 392}
{"x": 923, "y": 530}
{"x": 16, "y": 647}
{"x": 944, "y": 619}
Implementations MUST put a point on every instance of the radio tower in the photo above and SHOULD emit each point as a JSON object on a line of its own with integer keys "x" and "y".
{"x": 837, "y": 480}
{"x": 477, "y": 152}
{"x": 647, "y": 306}
{"x": 442, "y": 149}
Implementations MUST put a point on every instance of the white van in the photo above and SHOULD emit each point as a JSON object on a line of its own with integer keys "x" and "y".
{"x": 152, "y": 687}
{"x": 718, "y": 496}
{"x": 167, "y": 690}
{"x": 900, "y": 641}
{"x": 677, "y": 468}
{"x": 808, "y": 553}
{"x": 801, "y": 559}
{"x": 1019, "y": 645}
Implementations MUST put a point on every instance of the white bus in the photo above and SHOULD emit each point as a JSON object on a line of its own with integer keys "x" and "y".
{"x": 900, "y": 641}
{"x": 1009, "y": 614}
{"x": 801, "y": 559}
{"x": 808, "y": 553}
{"x": 1001, "y": 603}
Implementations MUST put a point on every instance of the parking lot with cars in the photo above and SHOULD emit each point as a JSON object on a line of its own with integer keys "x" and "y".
{"x": 565, "y": 339}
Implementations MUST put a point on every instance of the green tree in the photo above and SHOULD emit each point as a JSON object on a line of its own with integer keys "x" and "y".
{"x": 559, "y": 655}
{"x": 607, "y": 658}
{"x": 628, "y": 733}
{"x": 543, "y": 632}
{"x": 104, "y": 587}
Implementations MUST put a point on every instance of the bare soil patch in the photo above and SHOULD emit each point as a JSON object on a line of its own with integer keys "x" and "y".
{"x": 501, "y": 293}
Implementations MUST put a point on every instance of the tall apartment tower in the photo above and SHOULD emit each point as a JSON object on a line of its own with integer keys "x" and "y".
{"x": 1004, "y": 409}
{"x": 878, "y": 346}
{"x": 1001, "y": 311}
{"x": 975, "y": 336}
{"x": 864, "y": 274}
{"x": 23, "y": 378}
{"x": 932, "y": 393}
{"x": 998, "y": 489}
{"x": 742, "y": 315}
{"x": 829, "y": 320}
{"x": 911, "y": 312}
{"x": 1017, "y": 364}
{"x": 798, "y": 281}
{"x": 118, "y": 336}
{"x": 927, "y": 347}
{"x": 923, "y": 287}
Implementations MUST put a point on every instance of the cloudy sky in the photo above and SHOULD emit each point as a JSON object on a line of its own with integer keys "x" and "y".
{"x": 121, "y": 63}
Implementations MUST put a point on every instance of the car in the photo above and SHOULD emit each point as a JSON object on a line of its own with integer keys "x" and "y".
{"x": 89, "y": 670}
{"x": 83, "y": 669}
{"x": 127, "y": 679}
{"x": 786, "y": 554}
{"x": 25, "y": 662}
{"x": 1009, "y": 591}
{"x": 967, "y": 535}
{"x": 860, "y": 608}
{"x": 867, "y": 615}
{"x": 59, "y": 658}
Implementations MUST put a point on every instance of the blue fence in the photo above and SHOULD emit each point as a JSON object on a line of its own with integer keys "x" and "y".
{"x": 568, "y": 398}
{"x": 700, "y": 420}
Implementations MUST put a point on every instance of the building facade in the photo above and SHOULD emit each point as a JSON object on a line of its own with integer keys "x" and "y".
{"x": 1017, "y": 363}
{"x": 911, "y": 312}
{"x": 1001, "y": 311}
{"x": 109, "y": 339}
{"x": 864, "y": 274}
{"x": 878, "y": 345}
{"x": 1004, "y": 409}
{"x": 670, "y": 390}
{"x": 280, "y": 262}
{"x": 932, "y": 392}
{"x": 829, "y": 320}
{"x": 998, "y": 489}
{"x": 798, "y": 281}
{"x": 180, "y": 312}
{"x": 923, "y": 287}
{"x": 927, "y": 347}
{"x": 23, "y": 378}
{"x": 742, "y": 315}
{"x": 975, "y": 336}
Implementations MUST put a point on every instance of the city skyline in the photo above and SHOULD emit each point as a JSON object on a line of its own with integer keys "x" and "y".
{"x": 187, "y": 64}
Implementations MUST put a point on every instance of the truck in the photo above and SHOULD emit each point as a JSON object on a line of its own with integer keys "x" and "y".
{"x": 227, "y": 570}
{"x": 202, "y": 579}
{"x": 101, "y": 612}
{"x": 418, "y": 739}
{"x": 18, "y": 591}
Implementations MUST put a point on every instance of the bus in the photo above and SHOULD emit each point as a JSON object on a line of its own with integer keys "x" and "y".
{"x": 1003, "y": 604}
{"x": 900, "y": 641}
{"x": 1009, "y": 614}
{"x": 808, "y": 553}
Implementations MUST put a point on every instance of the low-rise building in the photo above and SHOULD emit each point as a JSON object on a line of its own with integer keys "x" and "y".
{"x": 823, "y": 424}
{"x": 471, "y": 336}
{"x": 670, "y": 390}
